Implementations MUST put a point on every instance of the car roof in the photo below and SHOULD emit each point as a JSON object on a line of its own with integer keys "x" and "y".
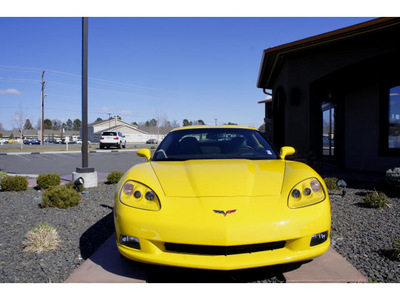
{"x": 213, "y": 127}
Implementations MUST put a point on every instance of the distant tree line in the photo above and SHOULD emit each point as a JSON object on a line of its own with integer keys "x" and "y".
{"x": 58, "y": 125}
{"x": 54, "y": 124}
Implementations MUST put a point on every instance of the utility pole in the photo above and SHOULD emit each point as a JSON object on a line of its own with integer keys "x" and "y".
{"x": 43, "y": 83}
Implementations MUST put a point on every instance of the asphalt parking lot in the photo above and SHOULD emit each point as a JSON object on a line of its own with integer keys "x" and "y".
{"x": 64, "y": 163}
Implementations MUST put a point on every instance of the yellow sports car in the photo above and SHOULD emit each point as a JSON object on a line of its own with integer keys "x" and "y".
{"x": 220, "y": 198}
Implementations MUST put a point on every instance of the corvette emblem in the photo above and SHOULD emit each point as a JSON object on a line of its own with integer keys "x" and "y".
{"x": 225, "y": 213}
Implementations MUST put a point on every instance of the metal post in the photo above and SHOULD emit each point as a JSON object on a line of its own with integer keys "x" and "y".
{"x": 85, "y": 175}
{"x": 42, "y": 138}
{"x": 85, "y": 155}
{"x": 85, "y": 162}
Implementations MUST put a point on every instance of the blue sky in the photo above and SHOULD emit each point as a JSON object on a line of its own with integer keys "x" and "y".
{"x": 139, "y": 67}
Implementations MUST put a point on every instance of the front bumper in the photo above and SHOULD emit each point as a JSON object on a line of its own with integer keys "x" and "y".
{"x": 284, "y": 233}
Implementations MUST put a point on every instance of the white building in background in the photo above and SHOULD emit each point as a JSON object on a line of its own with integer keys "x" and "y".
{"x": 132, "y": 133}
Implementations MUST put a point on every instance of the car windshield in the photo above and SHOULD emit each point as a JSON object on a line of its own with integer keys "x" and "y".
{"x": 109, "y": 133}
{"x": 214, "y": 143}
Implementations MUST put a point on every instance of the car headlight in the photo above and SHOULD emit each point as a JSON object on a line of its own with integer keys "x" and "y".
{"x": 138, "y": 195}
{"x": 305, "y": 193}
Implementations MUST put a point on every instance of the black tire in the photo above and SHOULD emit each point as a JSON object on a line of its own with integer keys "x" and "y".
{"x": 101, "y": 146}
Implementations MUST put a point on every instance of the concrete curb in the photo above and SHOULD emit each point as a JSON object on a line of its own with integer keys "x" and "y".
{"x": 330, "y": 267}
{"x": 107, "y": 266}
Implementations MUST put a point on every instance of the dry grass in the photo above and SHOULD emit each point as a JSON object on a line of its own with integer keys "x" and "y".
{"x": 41, "y": 238}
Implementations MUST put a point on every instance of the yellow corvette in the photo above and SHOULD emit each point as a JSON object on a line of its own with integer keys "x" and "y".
{"x": 220, "y": 198}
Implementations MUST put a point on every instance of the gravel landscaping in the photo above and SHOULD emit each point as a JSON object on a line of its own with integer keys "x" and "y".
{"x": 364, "y": 236}
{"x": 81, "y": 229}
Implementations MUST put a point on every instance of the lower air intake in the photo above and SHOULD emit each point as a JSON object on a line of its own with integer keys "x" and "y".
{"x": 223, "y": 250}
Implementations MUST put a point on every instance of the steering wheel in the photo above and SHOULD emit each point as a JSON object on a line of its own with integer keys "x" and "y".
{"x": 163, "y": 152}
{"x": 244, "y": 149}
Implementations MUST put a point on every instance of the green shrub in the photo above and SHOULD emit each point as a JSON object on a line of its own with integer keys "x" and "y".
{"x": 393, "y": 176}
{"x": 3, "y": 174}
{"x": 331, "y": 183}
{"x": 71, "y": 185}
{"x": 392, "y": 180}
{"x": 45, "y": 181}
{"x": 115, "y": 176}
{"x": 60, "y": 197}
{"x": 14, "y": 183}
{"x": 376, "y": 200}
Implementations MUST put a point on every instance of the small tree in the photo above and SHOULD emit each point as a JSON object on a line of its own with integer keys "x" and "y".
{"x": 70, "y": 125}
{"x": 28, "y": 124}
{"x": 19, "y": 122}
{"x": 186, "y": 122}
{"x": 48, "y": 124}
{"x": 77, "y": 124}
{"x": 56, "y": 124}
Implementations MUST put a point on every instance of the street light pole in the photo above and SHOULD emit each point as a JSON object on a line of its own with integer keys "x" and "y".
{"x": 85, "y": 173}
{"x": 43, "y": 83}
{"x": 85, "y": 161}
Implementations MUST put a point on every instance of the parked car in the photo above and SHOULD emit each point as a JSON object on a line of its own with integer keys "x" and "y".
{"x": 70, "y": 141}
{"x": 3, "y": 141}
{"x": 206, "y": 201}
{"x": 152, "y": 141}
{"x": 112, "y": 139}
{"x": 49, "y": 140}
{"x": 57, "y": 141}
{"x": 79, "y": 141}
{"x": 32, "y": 142}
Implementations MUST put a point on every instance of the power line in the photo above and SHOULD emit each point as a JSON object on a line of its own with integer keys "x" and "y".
{"x": 76, "y": 76}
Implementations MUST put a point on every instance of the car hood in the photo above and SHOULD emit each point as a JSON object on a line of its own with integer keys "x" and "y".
{"x": 220, "y": 178}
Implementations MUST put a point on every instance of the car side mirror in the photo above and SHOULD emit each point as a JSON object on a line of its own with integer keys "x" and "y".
{"x": 144, "y": 153}
{"x": 285, "y": 151}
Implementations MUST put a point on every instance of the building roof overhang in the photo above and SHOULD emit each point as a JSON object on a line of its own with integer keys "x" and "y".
{"x": 269, "y": 100}
{"x": 273, "y": 58}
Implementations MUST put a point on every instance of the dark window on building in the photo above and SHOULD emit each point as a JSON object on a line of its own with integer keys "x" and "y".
{"x": 389, "y": 129}
{"x": 394, "y": 118}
